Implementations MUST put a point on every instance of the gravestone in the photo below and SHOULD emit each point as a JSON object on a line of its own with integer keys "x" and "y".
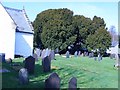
{"x": 73, "y": 84}
{"x": 0, "y": 58}
{"x": 75, "y": 54}
{"x": 67, "y": 54}
{"x": 90, "y": 55}
{"x": 112, "y": 56}
{"x": 23, "y": 76}
{"x": 49, "y": 54}
{"x": 30, "y": 64}
{"x": 43, "y": 53}
{"x": 95, "y": 58}
{"x": 79, "y": 53}
{"x": 52, "y": 82}
{"x": 86, "y": 54}
{"x": 117, "y": 62}
{"x": 99, "y": 57}
{"x": 9, "y": 60}
{"x": 37, "y": 51}
{"x": 52, "y": 54}
{"x": 56, "y": 50}
{"x": 46, "y": 64}
{"x": 35, "y": 56}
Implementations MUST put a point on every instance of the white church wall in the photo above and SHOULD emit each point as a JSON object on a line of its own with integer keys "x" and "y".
{"x": 7, "y": 34}
{"x": 24, "y": 44}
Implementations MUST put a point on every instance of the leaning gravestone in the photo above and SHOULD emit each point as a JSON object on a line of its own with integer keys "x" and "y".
{"x": 73, "y": 84}
{"x": 46, "y": 64}
{"x": 35, "y": 56}
{"x": 67, "y": 54}
{"x": 75, "y": 54}
{"x": 23, "y": 76}
{"x": 30, "y": 64}
{"x": 52, "y": 82}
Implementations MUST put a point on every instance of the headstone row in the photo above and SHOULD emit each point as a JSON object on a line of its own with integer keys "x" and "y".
{"x": 53, "y": 82}
{"x": 47, "y": 55}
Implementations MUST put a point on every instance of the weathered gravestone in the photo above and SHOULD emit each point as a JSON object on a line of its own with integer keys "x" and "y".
{"x": 75, "y": 54}
{"x": 67, "y": 54}
{"x": 95, "y": 58}
{"x": 86, "y": 54}
{"x": 35, "y": 56}
{"x": 117, "y": 56}
{"x": 23, "y": 76}
{"x": 52, "y": 82}
{"x": 52, "y": 54}
{"x": 79, "y": 53}
{"x": 90, "y": 55}
{"x": 2, "y": 57}
{"x": 73, "y": 84}
{"x": 30, "y": 64}
{"x": 9, "y": 60}
{"x": 99, "y": 57}
{"x": 49, "y": 54}
{"x": 43, "y": 53}
{"x": 112, "y": 56}
{"x": 38, "y": 52}
{"x": 46, "y": 64}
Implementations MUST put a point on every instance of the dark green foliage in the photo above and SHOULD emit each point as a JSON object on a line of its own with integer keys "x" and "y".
{"x": 58, "y": 28}
{"x": 100, "y": 40}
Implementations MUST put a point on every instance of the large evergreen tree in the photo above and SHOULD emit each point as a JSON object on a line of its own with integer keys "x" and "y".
{"x": 58, "y": 28}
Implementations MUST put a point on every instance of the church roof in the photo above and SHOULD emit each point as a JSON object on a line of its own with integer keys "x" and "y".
{"x": 21, "y": 20}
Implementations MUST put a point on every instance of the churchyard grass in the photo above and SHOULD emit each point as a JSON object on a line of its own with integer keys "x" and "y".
{"x": 89, "y": 73}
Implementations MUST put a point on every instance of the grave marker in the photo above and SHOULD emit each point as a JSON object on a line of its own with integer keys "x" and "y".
{"x": 67, "y": 54}
{"x": 52, "y": 82}
{"x": 75, "y": 54}
{"x": 46, "y": 64}
{"x": 23, "y": 76}
{"x": 30, "y": 64}
{"x": 73, "y": 84}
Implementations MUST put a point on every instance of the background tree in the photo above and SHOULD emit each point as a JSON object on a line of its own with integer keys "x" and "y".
{"x": 101, "y": 40}
{"x": 57, "y": 28}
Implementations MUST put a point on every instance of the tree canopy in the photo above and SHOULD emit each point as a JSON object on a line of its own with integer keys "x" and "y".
{"x": 59, "y": 28}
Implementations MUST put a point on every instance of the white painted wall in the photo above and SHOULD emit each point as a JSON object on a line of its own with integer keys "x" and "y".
{"x": 7, "y": 34}
{"x": 24, "y": 44}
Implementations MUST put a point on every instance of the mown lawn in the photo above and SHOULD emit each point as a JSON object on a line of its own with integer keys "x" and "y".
{"x": 89, "y": 73}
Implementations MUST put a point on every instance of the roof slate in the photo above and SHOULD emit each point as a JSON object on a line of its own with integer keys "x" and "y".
{"x": 21, "y": 20}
